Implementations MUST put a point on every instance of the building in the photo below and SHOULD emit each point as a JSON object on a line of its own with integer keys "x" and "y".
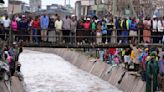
{"x": 3, "y": 10}
{"x": 159, "y": 5}
{"x": 78, "y": 9}
{"x": 86, "y": 6}
{"x": 15, "y": 7}
{"x": 35, "y": 5}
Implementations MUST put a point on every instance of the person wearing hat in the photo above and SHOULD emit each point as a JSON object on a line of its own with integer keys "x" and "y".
{"x": 152, "y": 70}
{"x": 87, "y": 29}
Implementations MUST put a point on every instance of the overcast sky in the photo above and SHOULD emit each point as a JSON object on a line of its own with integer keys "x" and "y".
{"x": 49, "y": 2}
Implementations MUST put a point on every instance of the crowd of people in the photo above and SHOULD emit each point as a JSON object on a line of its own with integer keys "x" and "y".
{"x": 108, "y": 29}
{"x": 147, "y": 62}
{"x": 9, "y": 56}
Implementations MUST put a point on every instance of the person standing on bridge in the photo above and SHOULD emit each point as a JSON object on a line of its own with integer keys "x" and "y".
{"x": 66, "y": 29}
{"x": 58, "y": 28}
{"x": 35, "y": 29}
{"x": 44, "y": 22}
{"x": 23, "y": 26}
{"x": 146, "y": 31}
{"x": 73, "y": 29}
{"x": 6, "y": 25}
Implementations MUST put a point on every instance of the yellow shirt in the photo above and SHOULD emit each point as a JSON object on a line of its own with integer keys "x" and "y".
{"x": 132, "y": 54}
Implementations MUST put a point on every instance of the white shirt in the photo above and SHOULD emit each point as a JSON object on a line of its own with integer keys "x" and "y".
{"x": 160, "y": 26}
{"x": 58, "y": 24}
{"x": 6, "y": 23}
{"x": 155, "y": 25}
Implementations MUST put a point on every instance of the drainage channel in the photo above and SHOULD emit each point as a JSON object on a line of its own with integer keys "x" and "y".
{"x": 45, "y": 72}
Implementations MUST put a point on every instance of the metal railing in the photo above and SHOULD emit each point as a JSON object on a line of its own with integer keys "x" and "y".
{"x": 89, "y": 38}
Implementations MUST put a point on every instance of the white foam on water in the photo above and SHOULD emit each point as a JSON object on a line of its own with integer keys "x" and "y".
{"x": 45, "y": 72}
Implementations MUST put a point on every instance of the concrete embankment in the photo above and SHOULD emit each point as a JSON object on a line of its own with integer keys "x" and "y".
{"x": 16, "y": 86}
{"x": 128, "y": 83}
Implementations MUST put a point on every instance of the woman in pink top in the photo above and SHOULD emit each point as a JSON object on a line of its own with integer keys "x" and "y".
{"x": 14, "y": 28}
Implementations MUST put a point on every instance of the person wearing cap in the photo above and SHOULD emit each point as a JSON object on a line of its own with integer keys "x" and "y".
{"x": 44, "y": 22}
{"x": 152, "y": 70}
{"x": 87, "y": 29}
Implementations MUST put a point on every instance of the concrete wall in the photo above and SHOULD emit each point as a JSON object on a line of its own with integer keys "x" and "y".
{"x": 16, "y": 86}
{"x": 129, "y": 82}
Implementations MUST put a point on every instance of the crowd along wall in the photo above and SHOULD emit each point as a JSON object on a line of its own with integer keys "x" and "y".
{"x": 113, "y": 75}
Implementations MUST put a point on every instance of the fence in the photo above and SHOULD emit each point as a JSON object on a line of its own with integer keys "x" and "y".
{"x": 81, "y": 37}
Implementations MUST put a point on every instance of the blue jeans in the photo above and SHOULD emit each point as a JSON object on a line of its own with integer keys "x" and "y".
{"x": 125, "y": 35}
{"x": 35, "y": 35}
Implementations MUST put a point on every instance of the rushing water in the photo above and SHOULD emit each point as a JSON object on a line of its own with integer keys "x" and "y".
{"x": 45, "y": 72}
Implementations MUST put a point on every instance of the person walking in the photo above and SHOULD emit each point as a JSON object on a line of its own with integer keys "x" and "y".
{"x": 44, "y": 22}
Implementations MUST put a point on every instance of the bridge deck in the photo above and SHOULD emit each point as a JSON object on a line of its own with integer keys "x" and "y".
{"x": 112, "y": 45}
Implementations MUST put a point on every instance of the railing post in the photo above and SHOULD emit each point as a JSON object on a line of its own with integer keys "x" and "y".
{"x": 139, "y": 36}
{"x": 116, "y": 36}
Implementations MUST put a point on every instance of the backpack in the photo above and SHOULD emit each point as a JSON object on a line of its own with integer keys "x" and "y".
{"x": 14, "y": 25}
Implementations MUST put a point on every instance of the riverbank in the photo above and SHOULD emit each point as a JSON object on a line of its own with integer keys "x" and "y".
{"x": 113, "y": 75}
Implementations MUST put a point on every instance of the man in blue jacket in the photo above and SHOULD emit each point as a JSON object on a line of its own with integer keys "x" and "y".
{"x": 23, "y": 26}
{"x": 44, "y": 22}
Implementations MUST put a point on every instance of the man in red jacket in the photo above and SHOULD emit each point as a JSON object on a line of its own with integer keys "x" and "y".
{"x": 35, "y": 27}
